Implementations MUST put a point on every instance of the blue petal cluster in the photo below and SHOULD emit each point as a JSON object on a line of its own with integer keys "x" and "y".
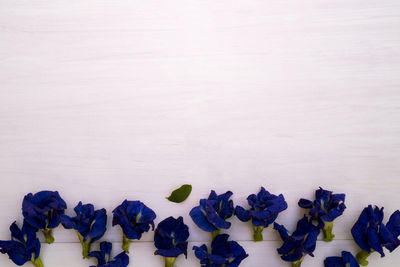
{"x": 170, "y": 237}
{"x": 324, "y": 209}
{"x": 346, "y": 260}
{"x": 135, "y": 218}
{"x": 212, "y": 212}
{"x": 265, "y": 208}
{"x": 89, "y": 223}
{"x": 24, "y": 246}
{"x": 224, "y": 253}
{"x": 372, "y": 235}
{"x": 104, "y": 257}
{"x": 43, "y": 211}
{"x": 300, "y": 243}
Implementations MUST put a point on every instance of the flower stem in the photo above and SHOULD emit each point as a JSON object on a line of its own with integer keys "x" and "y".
{"x": 297, "y": 263}
{"x": 85, "y": 246}
{"x": 327, "y": 231}
{"x": 362, "y": 256}
{"x": 258, "y": 233}
{"x": 169, "y": 261}
{"x": 37, "y": 262}
{"x": 214, "y": 234}
{"x": 125, "y": 243}
{"x": 48, "y": 235}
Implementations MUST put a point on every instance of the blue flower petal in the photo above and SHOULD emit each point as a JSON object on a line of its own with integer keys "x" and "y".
{"x": 199, "y": 217}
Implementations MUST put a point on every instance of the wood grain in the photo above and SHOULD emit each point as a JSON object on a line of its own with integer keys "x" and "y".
{"x": 108, "y": 100}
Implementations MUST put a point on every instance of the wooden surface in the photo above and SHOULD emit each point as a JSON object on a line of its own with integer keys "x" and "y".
{"x": 107, "y": 100}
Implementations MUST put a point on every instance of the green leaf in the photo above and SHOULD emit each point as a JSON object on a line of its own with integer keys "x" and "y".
{"x": 179, "y": 195}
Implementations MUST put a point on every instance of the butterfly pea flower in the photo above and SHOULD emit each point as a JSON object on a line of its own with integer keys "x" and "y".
{"x": 104, "y": 258}
{"x": 302, "y": 241}
{"x": 212, "y": 212}
{"x": 346, "y": 260}
{"x": 89, "y": 224}
{"x": 135, "y": 218}
{"x": 170, "y": 239}
{"x": 24, "y": 246}
{"x": 325, "y": 209}
{"x": 43, "y": 211}
{"x": 371, "y": 234}
{"x": 223, "y": 253}
{"x": 265, "y": 208}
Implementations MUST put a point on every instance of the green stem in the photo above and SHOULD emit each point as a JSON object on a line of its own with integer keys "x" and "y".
{"x": 125, "y": 243}
{"x": 362, "y": 256}
{"x": 215, "y": 233}
{"x": 86, "y": 249}
{"x": 37, "y": 262}
{"x": 85, "y": 246}
{"x": 297, "y": 263}
{"x": 48, "y": 235}
{"x": 169, "y": 261}
{"x": 258, "y": 233}
{"x": 327, "y": 232}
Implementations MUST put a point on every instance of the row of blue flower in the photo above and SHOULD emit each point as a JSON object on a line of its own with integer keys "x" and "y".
{"x": 44, "y": 211}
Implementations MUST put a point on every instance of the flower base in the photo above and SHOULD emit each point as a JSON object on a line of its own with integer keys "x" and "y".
{"x": 37, "y": 262}
{"x": 48, "y": 235}
{"x": 169, "y": 261}
{"x": 362, "y": 256}
{"x": 257, "y": 236}
{"x": 125, "y": 243}
{"x": 327, "y": 232}
{"x": 215, "y": 233}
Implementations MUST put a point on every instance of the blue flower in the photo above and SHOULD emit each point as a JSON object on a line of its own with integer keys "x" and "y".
{"x": 372, "y": 235}
{"x": 265, "y": 208}
{"x": 134, "y": 218}
{"x": 211, "y": 214}
{"x": 324, "y": 209}
{"x": 24, "y": 246}
{"x": 90, "y": 224}
{"x": 43, "y": 211}
{"x": 170, "y": 239}
{"x": 300, "y": 243}
{"x": 104, "y": 257}
{"x": 346, "y": 260}
{"x": 224, "y": 253}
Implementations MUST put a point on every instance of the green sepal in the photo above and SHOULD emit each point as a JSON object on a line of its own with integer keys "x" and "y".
{"x": 327, "y": 231}
{"x": 48, "y": 235}
{"x": 257, "y": 236}
{"x": 215, "y": 233}
{"x": 125, "y": 243}
{"x": 37, "y": 262}
{"x": 169, "y": 261}
{"x": 85, "y": 246}
{"x": 181, "y": 194}
{"x": 362, "y": 256}
{"x": 297, "y": 263}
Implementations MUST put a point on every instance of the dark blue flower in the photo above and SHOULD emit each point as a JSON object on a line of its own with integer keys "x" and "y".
{"x": 104, "y": 258}
{"x": 346, "y": 260}
{"x": 170, "y": 239}
{"x": 224, "y": 253}
{"x": 24, "y": 246}
{"x": 300, "y": 243}
{"x": 265, "y": 208}
{"x": 324, "y": 209}
{"x": 211, "y": 214}
{"x": 372, "y": 235}
{"x": 90, "y": 224}
{"x": 43, "y": 211}
{"x": 134, "y": 218}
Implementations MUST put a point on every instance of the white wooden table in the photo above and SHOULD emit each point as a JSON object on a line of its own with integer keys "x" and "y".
{"x": 107, "y": 100}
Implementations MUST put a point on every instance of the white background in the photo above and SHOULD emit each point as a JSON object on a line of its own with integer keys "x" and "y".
{"x": 108, "y": 100}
